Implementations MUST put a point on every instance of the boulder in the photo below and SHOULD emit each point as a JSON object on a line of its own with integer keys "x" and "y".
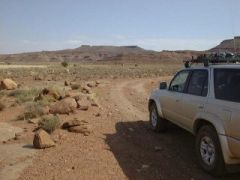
{"x": 42, "y": 140}
{"x": 65, "y": 106}
{"x": 86, "y": 90}
{"x": 84, "y": 103}
{"x": 8, "y": 84}
{"x": 83, "y": 129}
{"x": 71, "y": 123}
{"x": 91, "y": 84}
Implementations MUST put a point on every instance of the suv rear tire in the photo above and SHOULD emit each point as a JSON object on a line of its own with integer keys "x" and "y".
{"x": 157, "y": 123}
{"x": 209, "y": 152}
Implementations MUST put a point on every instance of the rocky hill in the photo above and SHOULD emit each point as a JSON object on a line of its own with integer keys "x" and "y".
{"x": 83, "y": 53}
{"x": 87, "y": 53}
{"x": 232, "y": 45}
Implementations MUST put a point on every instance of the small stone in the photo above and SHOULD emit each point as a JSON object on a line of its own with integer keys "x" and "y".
{"x": 95, "y": 104}
{"x": 86, "y": 90}
{"x": 97, "y": 82}
{"x": 33, "y": 121}
{"x": 98, "y": 115}
{"x": 91, "y": 84}
{"x": 131, "y": 129}
{"x": 17, "y": 136}
{"x": 66, "y": 83}
{"x": 145, "y": 166}
{"x": 158, "y": 148}
{"x": 83, "y": 108}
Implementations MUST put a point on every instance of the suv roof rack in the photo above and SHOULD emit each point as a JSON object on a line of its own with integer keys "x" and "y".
{"x": 214, "y": 58}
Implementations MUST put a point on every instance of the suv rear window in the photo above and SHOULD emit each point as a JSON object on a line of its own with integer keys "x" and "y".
{"x": 227, "y": 84}
{"x": 198, "y": 84}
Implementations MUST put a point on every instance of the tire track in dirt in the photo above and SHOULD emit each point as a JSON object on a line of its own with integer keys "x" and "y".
{"x": 125, "y": 106}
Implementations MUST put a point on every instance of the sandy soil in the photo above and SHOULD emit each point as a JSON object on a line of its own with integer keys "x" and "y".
{"x": 121, "y": 145}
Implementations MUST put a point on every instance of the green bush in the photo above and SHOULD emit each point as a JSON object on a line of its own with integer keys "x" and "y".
{"x": 64, "y": 64}
{"x": 49, "y": 123}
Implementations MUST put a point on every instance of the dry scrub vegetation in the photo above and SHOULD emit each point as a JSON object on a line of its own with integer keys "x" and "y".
{"x": 91, "y": 71}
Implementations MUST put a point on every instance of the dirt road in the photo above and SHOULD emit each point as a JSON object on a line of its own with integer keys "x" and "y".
{"x": 122, "y": 145}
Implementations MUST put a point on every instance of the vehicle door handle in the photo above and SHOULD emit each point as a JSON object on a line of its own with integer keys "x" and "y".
{"x": 177, "y": 100}
{"x": 200, "y": 107}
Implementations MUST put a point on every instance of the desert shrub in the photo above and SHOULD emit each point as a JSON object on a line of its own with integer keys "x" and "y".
{"x": 49, "y": 123}
{"x": 24, "y": 95}
{"x": 2, "y": 106}
{"x": 92, "y": 97}
{"x": 33, "y": 110}
{"x": 64, "y": 64}
{"x": 46, "y": 100}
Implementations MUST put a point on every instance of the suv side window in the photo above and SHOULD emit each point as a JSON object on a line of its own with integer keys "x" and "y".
{"x": 198, "y": 84}
{"x": 179, "y": 81}
{"x": 227, "y": 84}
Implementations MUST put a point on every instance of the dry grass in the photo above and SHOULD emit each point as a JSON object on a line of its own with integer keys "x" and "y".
{"x": 95, "y": 71}
{"x": 49, "y": 123}
{"x": 32, "y": 110}
{"x": 24, "y": 95}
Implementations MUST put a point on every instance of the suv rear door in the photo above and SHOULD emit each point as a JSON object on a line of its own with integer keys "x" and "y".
{"x": 227, "y": 99}
{"x": 194, "y": 98}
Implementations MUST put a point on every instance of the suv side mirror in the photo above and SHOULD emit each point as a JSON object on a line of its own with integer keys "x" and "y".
{"x": 163, "y": 85}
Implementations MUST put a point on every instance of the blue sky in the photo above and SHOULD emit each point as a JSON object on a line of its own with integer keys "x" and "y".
{"x": 35, "y": 25}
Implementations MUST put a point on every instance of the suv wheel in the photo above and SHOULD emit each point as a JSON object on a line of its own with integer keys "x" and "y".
{"x": 209, "y": 151}
{"x": 157, "y": 123}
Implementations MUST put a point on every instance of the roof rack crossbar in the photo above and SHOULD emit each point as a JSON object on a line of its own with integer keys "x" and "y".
{"x": 210, "y": 60}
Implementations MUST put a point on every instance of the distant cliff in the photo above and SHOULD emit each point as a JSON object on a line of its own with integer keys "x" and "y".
{"x": 232, "y": 45}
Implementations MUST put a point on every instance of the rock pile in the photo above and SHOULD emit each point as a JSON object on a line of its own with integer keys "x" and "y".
{"x": 77, "y": 126}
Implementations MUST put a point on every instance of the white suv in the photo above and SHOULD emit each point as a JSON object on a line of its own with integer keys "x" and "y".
{"x": 206, "y": 102}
